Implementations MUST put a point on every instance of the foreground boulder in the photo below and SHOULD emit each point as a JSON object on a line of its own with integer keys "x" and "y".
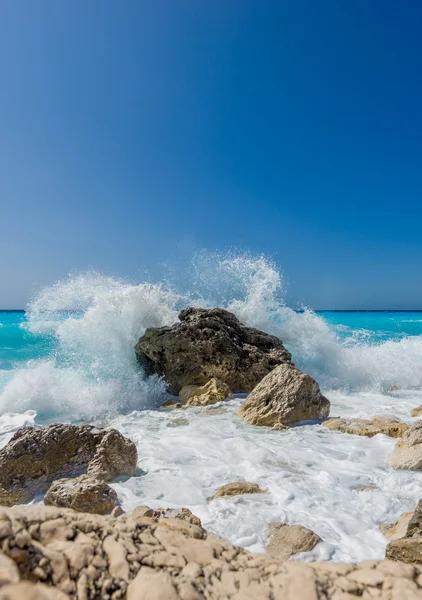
{"x": 285, "y": 396}
{"x": 60, "y": 554}
{"x": 369, "y": 427}
{"x": 212, "y": 392}
{"x": 406, "y": 538}
{"x": 407, "y": 453}
{"x": 84, "y": 494}
{"x": 35, "y": 458}
{"x": 207, "y": 344}
{"x": 287, "y": 540}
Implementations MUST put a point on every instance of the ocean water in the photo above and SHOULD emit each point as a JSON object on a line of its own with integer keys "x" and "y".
{"x": 70, "y": 358}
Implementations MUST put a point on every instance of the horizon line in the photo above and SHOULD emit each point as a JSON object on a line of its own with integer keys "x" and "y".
{"x": 316, "y": 310}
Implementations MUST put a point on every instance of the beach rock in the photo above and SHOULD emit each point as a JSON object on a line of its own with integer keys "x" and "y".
{"x": 406, "y": 538}
{"x": 287, "y": 540}
{"x": 369, "y": 427}
{"x": 365, "y": 487}
{"x": 34, "y": 458}
{"x": 407, "y": 453}
{"x": 171, "y": 403}
{"x": 206, "y": 344}
{"x": 210, "y": 393}
{"x": 61, "y": 554}
{"x": 237, "y": 488}
{"x": 397, "y": 530}
{"x": 284, "y": 396}
{"x": 183, "y": 514}
{"x": 84, "y": 494}
{"x": 416, "y": 412}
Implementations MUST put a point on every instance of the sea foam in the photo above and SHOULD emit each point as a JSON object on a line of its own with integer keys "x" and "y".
{"x": 94, "y": 322}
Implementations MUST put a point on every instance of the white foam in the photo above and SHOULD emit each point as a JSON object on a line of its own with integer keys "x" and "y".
{"x": 97, "y": 320}
{"x": 308, "y": 471}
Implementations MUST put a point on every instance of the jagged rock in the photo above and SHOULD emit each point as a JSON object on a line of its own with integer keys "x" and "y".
{"x": 171, "y": 403}
{"x": 416, "y": 412}
{"x": 84, "y": 494}
{"x": 397, "y": 530}
{"x": 287, "y": 540}
{"x": 407, "y": 453}
{"x": 284, "y": 396}
{"x": 369, "y": 427}
{"x": 62, "y": 554}
{"x": 117, "y": 512}
{"x": 183, "y": 514}
{"x": 207, "y": 344}
{"x": 34, "y": 458}
{"x": 236, "y": 488}
{"x": 203, "y": 395}
{"x": 406, "y": 537}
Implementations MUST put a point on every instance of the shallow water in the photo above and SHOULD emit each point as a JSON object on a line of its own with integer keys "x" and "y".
{"x": 70, "y": 358}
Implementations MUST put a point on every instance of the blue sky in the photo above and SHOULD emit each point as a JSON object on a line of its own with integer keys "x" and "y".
{"x": 130, "y": 130}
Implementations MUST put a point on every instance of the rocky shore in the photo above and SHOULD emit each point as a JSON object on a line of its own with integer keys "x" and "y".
{"x": 58, "y": 554}
{"x": 81, "y": 544}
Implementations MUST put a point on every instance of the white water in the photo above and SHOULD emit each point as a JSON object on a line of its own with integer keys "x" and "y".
{"x": 92, "y": 375}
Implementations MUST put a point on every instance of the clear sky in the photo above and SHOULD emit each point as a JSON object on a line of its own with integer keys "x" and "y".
{"x": 129, "y": 129}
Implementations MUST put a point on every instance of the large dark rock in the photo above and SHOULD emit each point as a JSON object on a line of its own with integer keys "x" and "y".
{"x": 206, "y": 344}
{"x": 34, "y": 458}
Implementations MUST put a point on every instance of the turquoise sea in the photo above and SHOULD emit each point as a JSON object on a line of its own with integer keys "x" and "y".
{"x": 19, "y": 344}
{"x": 70, "y": 358}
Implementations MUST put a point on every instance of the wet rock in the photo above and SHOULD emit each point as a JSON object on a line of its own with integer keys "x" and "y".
{"x": 206, "y": 344}
{"x": 365, "y": 487}
{"x": 284, "y": 396}
{"x": 369, "y": 427}
{"x": 406, "y": 538}
{"x": 407, "y": 453}
{"x": 212, "y": 392}
{"x": 34, "y": 458}
{"x": 84, "y": 494}
{"x": 279, "y": 427}
{"x": 416, "y": 412}
{"x": 63, "y": 554}
{"x": 287, "y": 540}
{"x": 171, "y": 403}
{"x": 397, "y": 530}
{"x": 238, "y": 488}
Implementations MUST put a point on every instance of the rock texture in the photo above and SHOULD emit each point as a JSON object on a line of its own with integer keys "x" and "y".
{"x": 284, "y": 396}
{"x": 34, "y": 458}
{"x": 207, "y": 344}
{"x": 287, "y": 540}
{"x": 397, "y": 530}
{"x": 407, "y": 453}
{"x": 406, "y": 538}
{"x": 416, "y": 412}
{"x": 369, "y": 427}
{"x": 58, "y": 554}
{"x": 184, "y": 514}
{"x": 237, "y": 488}
{"x": 210, "y": 393}
{"x": 84, "y": 494}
